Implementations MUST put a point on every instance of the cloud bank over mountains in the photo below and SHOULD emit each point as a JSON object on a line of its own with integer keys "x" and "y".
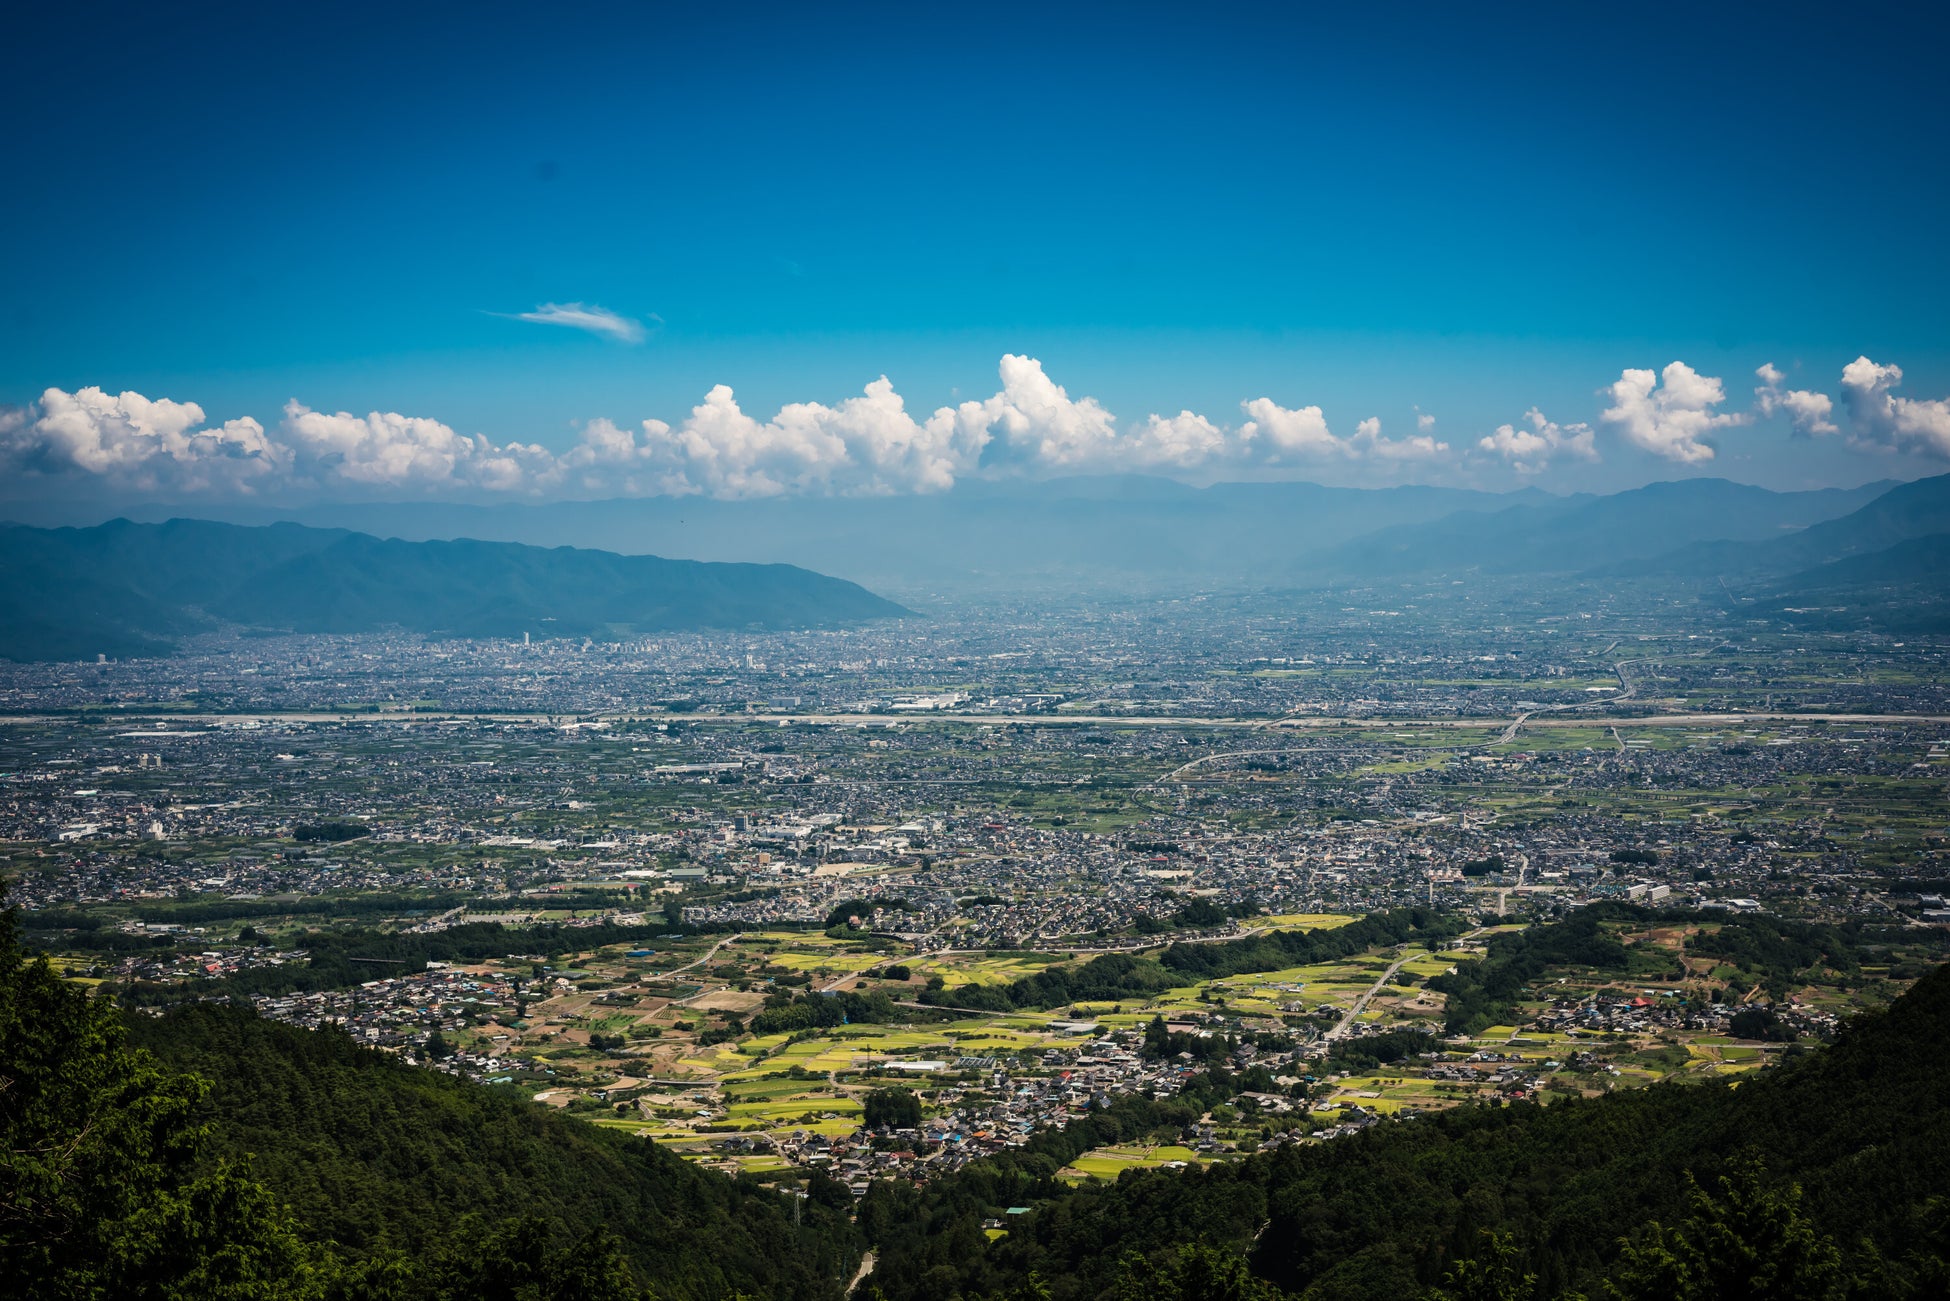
{"x": 872, "y": 445}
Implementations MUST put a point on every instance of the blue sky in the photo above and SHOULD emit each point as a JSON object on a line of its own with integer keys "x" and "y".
{"x": 1452, "y": 212}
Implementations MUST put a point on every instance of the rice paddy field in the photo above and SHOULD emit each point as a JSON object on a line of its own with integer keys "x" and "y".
{"x": 826, "y": 961}
{"x": 780, "y": 1085}
{"x": 957, "y": 970}
{"x": 1304, "y": 921}
{"x": 1109, "y": 1162}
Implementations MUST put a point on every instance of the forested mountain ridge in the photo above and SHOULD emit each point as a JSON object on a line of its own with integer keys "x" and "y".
{"x": 1917, "y": 509}
{"x": 296, "y": 1166}
{"x": 1133, "y": 532}
{"x": 1120, "y": 529}
{"x": 125, "y": 589}
{"x": 380, "y": 1157}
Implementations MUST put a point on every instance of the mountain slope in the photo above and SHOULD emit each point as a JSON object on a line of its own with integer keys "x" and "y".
{"x": 1909, "y": 510}
{"x": 375, "y": 1155}
{"x": 127, "y": 589}
{"x": 1900, "y": 589}
{"x": 1916, "y": 560}
{"x": 1578, "y": 533}
{"x": 1130, "y": 532}
{"x": 211, "y": 1154}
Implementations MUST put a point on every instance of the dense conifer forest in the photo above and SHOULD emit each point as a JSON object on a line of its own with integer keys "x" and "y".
{"x": 212, "y": 1154}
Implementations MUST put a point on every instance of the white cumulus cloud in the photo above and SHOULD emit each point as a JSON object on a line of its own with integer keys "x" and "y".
{"x": 387, "y": 451}
{"x": 138, "y": 443}
{"x": 1034, "y": 422}
{"x": 1530, "y": 450}
{"x": 1807, "y": 411}
{"x": 1281, "y": 434}
{"x": 1184, "y": 441}
{"x": 1370, "y": 442}
{"x": 1275, "y": 435}
{"x": 868, "y": 444}
{"x": 1670, "y": 414}
{"x": 864, "y": 445}
{"x": 581, "y": 316}
{"x": 1880, "y": 419}
{"x": 871, "y": 444}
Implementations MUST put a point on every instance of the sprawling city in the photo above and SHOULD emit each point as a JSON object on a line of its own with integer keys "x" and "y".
{"x": 722, "y": 891}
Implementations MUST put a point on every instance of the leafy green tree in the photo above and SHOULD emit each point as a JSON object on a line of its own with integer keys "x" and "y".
{"x": 1032, "y": 1288}
{"x": 1157, "y": 1038}
{"x": 1194, "y": 1273}
{"x": 1495, "y": 1273}
{"x": 528, "y": 1260}
{"x": 102, "y": 1190}
{"x": 1751, "y": 1243}
{"x": 894, "y": 1108}
{"x": 1759, "y": 1023}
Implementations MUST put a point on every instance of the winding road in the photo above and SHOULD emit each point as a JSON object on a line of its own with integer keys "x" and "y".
{"x": 860, "y": 1274}
{"x": 698, "y": 962}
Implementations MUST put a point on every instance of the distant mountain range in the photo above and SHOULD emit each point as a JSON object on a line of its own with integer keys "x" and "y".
{"x": 1900, "y": 589}
{"x": 1135, "y": 533}
{"x": 1127, "y": 532}
{"x": 1572, "y": 535}
{"x": 1885, "y": 565}
{"x": 1833, "y": 557}
{"x": 125, "y": 589}
{"x": 1903, "y": 512}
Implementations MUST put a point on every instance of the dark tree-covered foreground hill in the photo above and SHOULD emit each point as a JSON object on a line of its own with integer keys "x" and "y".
{"x": 211, "y": 1154}
{"x": 293, "y": 1164}
{"x": 125, "y": 589}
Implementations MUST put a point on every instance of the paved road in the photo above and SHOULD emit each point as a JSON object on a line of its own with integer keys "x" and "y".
{"x": 860, "y": 1274}
{"x": 1534, "y": 718}
{"x": 1631, "y": 689}
{"x": 1031, "y": 720}
{"x": 1178, "y": 773}
{"x": 698, "y": 962}
{"x": 1361, "y": 1003}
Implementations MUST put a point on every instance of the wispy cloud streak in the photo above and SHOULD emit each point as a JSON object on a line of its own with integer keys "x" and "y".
{"x": 589, "y": 318}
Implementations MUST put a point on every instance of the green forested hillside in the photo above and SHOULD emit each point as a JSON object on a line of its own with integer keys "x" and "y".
{"x": 376, "y": 1155}
{"x": 209, "y": 1155}
{"x": 1570, "y": 1191}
